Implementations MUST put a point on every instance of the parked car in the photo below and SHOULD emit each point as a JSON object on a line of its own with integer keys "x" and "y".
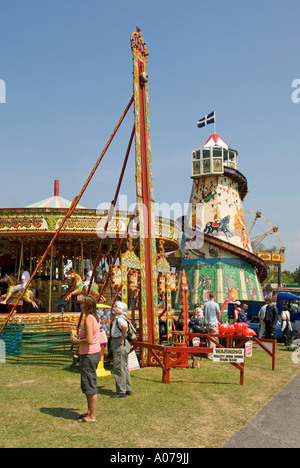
{"x": 254, "y": 325}
{"x": 287, "y": 299}
{"x": 255, "y": 306}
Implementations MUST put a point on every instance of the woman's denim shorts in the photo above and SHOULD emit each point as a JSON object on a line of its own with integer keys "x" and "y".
{"x": 89, "y": 364}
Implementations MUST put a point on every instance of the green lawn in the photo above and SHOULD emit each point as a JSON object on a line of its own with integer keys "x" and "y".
{"x": 199, "y": 408}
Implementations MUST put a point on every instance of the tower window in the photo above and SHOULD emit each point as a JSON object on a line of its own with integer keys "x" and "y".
{"x": 217, "y": 153}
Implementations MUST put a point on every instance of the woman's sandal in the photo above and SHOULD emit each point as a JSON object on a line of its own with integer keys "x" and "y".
{"x": 83, "y": 420}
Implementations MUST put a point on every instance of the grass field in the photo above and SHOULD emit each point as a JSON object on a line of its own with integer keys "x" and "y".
{"x": 199, "y": 408}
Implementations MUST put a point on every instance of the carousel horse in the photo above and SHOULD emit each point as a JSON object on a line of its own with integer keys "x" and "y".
{"x": 81, "y": 287}
{"x": 15, "y": 290}
{"x": 10, "y": 280}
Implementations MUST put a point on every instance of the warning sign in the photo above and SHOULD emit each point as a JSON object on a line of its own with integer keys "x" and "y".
{"x": 235, "y": 355}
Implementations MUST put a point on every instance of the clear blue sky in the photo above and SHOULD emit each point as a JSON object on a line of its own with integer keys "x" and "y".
{"x": 67, "y": 66}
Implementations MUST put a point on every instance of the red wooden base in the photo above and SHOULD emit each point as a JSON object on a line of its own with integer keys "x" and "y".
{"x": 171, "y": 356}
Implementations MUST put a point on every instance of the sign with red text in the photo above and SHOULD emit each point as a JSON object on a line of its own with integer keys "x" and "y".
{"x": 133, "y": 363}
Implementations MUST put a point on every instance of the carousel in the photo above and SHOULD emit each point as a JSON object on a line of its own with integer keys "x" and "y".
{"x": 61, "y": 278}
{"x": 88, "y": 246}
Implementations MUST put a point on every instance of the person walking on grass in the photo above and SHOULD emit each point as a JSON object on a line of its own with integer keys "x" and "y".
{"x": 212, "y": 316}
{"x": 88, "y": 340}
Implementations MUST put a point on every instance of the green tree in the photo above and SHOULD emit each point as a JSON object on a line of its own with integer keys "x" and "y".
{"x": 287, "y": 277}
{"x": 296, "y": 275}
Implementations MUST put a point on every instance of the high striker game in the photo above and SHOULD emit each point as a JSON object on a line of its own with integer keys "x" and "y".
{"x": 145, "y": 192}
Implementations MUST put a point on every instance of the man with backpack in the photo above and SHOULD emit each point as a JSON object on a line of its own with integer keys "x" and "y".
{"x": 120, "y": 348}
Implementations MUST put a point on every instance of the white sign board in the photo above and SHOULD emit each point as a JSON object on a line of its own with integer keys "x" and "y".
{"x": 236, "y": 355}
{"x": 133, "y": 363}
{"x": 248, "y": 349}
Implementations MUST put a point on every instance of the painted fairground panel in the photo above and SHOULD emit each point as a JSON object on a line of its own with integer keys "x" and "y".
{"x": 196, "y": 167}
{"x": 253, "y": 288}
{"x": 217, "y": 165}
{"x": 206, "y": 166}
{"x": 201, "y": 279}
{"x": 223, "y": 276}
{"x": 223, "y": 213}
{"x": 232, "y": 282}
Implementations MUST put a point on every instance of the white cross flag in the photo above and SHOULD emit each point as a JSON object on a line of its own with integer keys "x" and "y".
{"x": 208, "y": 119}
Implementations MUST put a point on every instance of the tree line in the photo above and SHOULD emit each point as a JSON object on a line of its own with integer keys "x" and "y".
{"x": 288, "y": 277}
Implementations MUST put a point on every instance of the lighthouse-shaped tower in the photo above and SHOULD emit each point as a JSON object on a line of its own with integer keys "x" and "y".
{"x": 222, "y": 258}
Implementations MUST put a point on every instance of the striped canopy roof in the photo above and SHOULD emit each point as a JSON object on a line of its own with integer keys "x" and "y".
{"x": 54, "y": 202}
{"x": 215, "y": 140}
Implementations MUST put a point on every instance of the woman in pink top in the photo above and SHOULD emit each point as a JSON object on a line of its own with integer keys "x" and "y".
{"x": 90, "y": 354}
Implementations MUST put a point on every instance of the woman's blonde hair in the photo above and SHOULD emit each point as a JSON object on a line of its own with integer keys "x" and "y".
{"x": 89, "y": 306}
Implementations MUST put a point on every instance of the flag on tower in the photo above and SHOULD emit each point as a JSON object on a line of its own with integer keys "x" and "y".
{"x": 208, "y": 119}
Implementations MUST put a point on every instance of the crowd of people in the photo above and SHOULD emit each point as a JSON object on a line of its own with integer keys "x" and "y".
{"x": 208, "y": 316}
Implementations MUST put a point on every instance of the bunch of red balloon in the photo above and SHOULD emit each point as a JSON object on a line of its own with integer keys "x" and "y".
{"x": 238, "y": 328}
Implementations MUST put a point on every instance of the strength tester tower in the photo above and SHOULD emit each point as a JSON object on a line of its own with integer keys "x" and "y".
{"x": 224, "y": 261}
{"x": 145, "y": 193}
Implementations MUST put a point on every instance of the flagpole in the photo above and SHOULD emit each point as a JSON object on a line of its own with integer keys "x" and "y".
{"x": 215, "y": 123}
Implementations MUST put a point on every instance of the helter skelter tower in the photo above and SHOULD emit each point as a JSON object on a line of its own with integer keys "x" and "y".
{"x": 223, "y": 260}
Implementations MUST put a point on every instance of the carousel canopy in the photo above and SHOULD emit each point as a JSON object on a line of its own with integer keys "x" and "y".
{"x": 34, "y": 225}
{"x": 54, "y": 202}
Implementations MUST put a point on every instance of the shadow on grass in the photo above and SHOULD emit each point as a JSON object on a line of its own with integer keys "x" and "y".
{"x": 177, "y": 379}
{"x": 101, "y": 389}
{"x": 105, "y": 391}
{"x": 64, "y": 413}
{"x": 72, "y": 369}
{"x": 71, "y": 413}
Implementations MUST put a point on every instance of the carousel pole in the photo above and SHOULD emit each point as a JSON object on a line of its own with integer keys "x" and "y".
{"x": 68, "y": 214}
{"x": 21, "y": 259}
{"x": 75, "y": 260}
{"x": 82, "y": 267}
{"x": 16, "y": 262}
{"x": 115, "y": 296}
{"x": 30, "y": 260}
{"x": 50, "y": 282}
{"x": 111, "y": 267}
